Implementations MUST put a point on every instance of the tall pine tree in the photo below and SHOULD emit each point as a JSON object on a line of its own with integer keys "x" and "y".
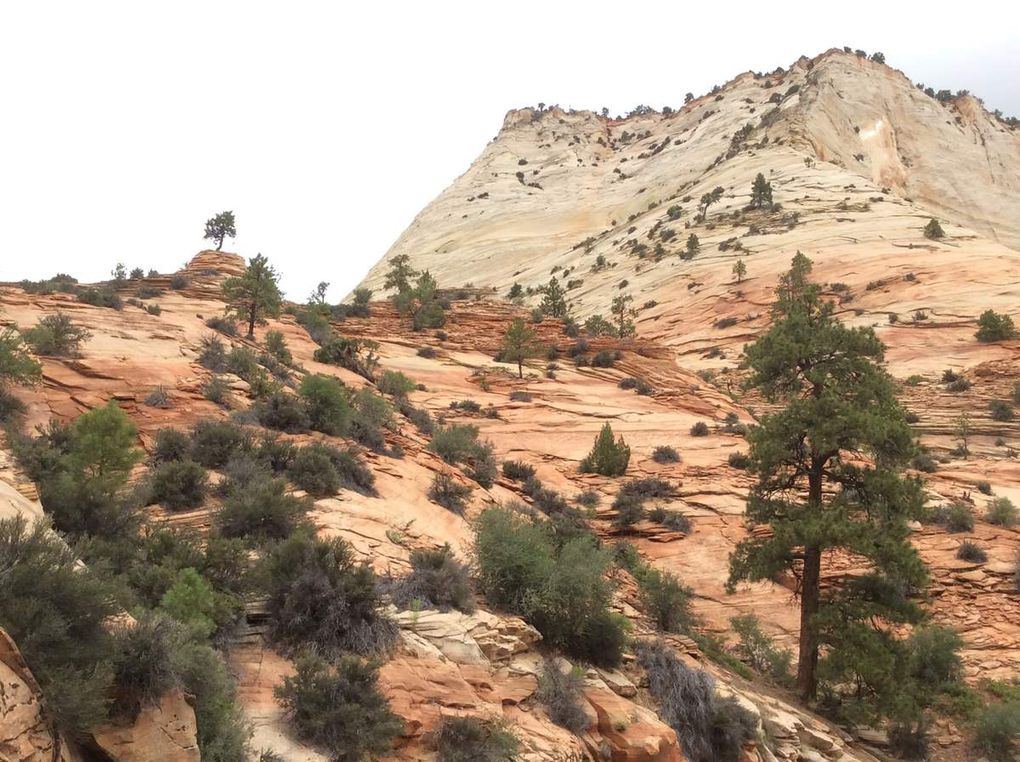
{"x": 829, "y": 478}
{"x": 254, "y": 296}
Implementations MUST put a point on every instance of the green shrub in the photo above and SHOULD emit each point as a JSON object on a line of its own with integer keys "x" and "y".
{"x": 171, "y": 445}
{"x": 276, "y": 346}
{"x": 519, "y": 395}
{"x": 327, "y": 402}
{"x": 560, "y": 588}
{"x": 193, "y": 602}
{"x": 608, "y": 457}
{"x": 223, "y": 732}
{"x": 57, "y": 613}
{"x": 956, "y": 517}
{"x": 178, "y": 282}
{"x": 984, "y": 487}
{"x": 757, "y": 649}
{"x": 994, "y": 327}
{"x": 261, "y": 511}
{"x": 739, "y": 460}
{"x": 284, "y": 412}
{"x": 395, "y": 383}
{"x": 665, "y": 454}
{"x": 997, "y": 731}
{"x": 277, "y": 454}
{"x": 437, "y": 580}
{"x": 10, "y": 406}
{"x": 16, "y": 365}
{"x": 469, "y": 739}
{"x": 1002, "y": 512}
{"x": 159, "y": 397}
{"x": 372, "y": 414}
{"x": 560, "y": 694}
{"x": 666, "y": 599}
{"x": 699, "y": 429}
{"x": 674, "y": 520}
{"x": 101, "y": 297}
{"x": 216, "y": 390}
{"x": 213, "y": 354}
{"x": 429, "y": 353}
{"x": 224, "y": 325}
{"x": 630, "y": 509}
{"x": 448, "y": 493}
{"x": 588, "y": 498}
{"x": 924, "y": 462}
{"x": 1000, "y": 410}
{"x": 338, "y": 707}
{"x": 319, "y": 596}
{"x": 214, "y": 443}
{"x": 55, "y": 335}
{"x": 603, "y": 359}
{"x": 518, "y": 470}
{"x": 312, "y": 470}
{"x": 456, "y": 443}
{"x": 179, "y": 484}
{"x": 933, "y": 230}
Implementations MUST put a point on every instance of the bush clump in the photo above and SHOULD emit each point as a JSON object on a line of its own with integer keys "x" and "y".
{"x": 665, "y": 454}
{"x": 993, "y": 326}
{"x": 327, "y": 404}
{"x": 448, "y": 493}
{"x": 739, "y": 460}
{"x": 956, "y": 517}
{"x": 56, "y": 336}
{"x": 666, "y": 599}
{"x": 699, "y": 429}
{"x": 170, "y": 445}
{"x": 1002, "y": 512}
{"x": 674, "y": 520}
{"x": 319, "y": 596}
{"x": 997, "y": 731}
{"x": 437, "y": 580}
{"x": 608, "y": 456}
{"x": 560, "y": 588}
{"x": 179, "y": 484}
{"x": 284, "y": 412}
{"x": 395, "y": 383}
{"x": 519, "y": 395}
{"x": 971, "y": 551}
{"x": 560, "y": 694}
{"x": 337, "y": 706}
{"x": 261, "y": 511}
{"x": 1001, "y": 410}
{"x": 710, "y": 728}
{"x": 469, "y": 739}
{"x": 757, "y": 649}
{"x": 518, "y": 470}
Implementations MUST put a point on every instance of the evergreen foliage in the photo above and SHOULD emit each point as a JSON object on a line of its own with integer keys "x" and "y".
{"x": 829, "y": 478}
{"x": 608, "y": 456}
{"x": 254, "y": 296}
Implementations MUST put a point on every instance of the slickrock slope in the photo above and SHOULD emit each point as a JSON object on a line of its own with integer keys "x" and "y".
{"x": 485, "y": 664}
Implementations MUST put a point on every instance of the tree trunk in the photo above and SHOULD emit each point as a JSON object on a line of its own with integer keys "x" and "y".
{"x": 251, "y": 323}
{"x": 807, "y": 660}
{"x": 219, "y": 243}
{"x": 520, "y": 369}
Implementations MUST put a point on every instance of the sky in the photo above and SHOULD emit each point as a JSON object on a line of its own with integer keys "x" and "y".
{"x": 326, "y": 126}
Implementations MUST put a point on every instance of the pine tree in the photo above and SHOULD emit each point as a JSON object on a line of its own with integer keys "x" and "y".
{"x": 693, "y": 244}
{"x": 219, "y": 227}
{"x": 608, "y": 457}
{"x": 554, "y": 302}
{"x": 829, "y": 475}
{"x": 739, "y": 270}
{"x": 400, "y": 274}
{"x": 710, "y": 198}
{"x": 518, "y": 344}
{"x": 624, "y": 327}
{"x": 254, "y": 296}
{"x": 761, "y": 192}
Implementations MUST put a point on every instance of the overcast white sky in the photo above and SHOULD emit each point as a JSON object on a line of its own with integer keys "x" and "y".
{"x": 327, "y": 126}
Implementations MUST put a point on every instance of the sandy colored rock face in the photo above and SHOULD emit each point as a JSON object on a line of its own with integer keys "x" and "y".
{"x": 164, "y": 732}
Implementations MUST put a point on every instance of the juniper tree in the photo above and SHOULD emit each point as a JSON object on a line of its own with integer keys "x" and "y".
{"x": 761, "y": 192}
{"x": 421, "y": 302}
{"x": 518, "y": 344}
{"x": 16, "y": 365}
{"x": 710, "y": 198}
{"x": 554, "y": 302}
{"x": 254, "y": 296}
{"x": 400, "y": 274}
{"x": 829, "y": 475}
{"x": 739, "y": 270}
{"x": 219, "y": 227}
{"x": 619, "y": 309}
{"x": 693, "y": 244}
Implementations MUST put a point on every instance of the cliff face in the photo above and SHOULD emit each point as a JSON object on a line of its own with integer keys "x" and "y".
{"x": 834, "y": 134}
